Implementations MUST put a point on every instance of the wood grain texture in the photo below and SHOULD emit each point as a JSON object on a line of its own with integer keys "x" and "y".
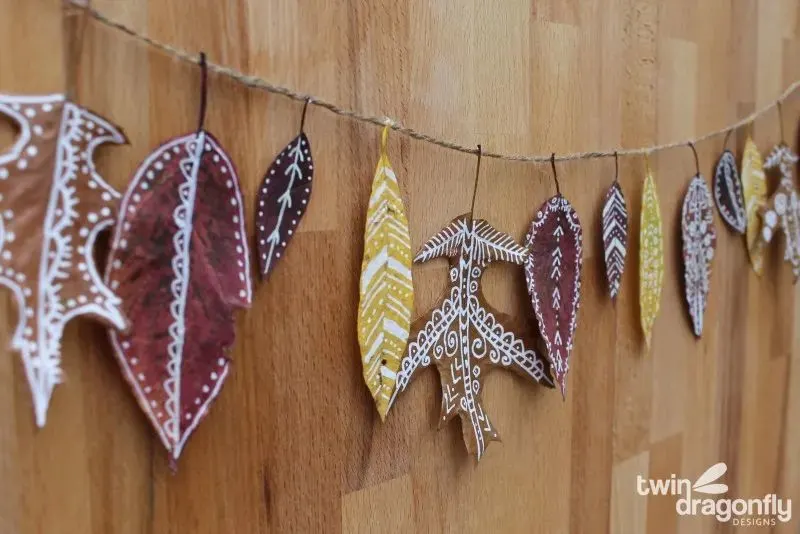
{"x": 523, "y": 76}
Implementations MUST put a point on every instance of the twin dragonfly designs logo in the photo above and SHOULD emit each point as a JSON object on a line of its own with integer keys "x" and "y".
{"x": 706, "y": 497}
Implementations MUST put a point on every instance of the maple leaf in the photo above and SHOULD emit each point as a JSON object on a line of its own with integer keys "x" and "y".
{"x": 53, "y": 205}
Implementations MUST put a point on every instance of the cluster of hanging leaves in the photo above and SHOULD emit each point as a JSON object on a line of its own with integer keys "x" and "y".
{"x": 53, "y": 205}
{"x": 783, "y": 209}
{"x": 755, "y": 197}
{"x": 615, "y": 236}
{"x": 728, "y": 193}
{"x": 699, "y": 240}
{"x": 651, "y": 256}
{"x": 282, "y": 201}
{"x": 179, "y": 261}
{"x": 386, "y": 290}
{"x": 553, "y": 273}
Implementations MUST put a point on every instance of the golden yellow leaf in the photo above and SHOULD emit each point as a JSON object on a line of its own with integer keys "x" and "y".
{"x": 651, "y": 256}
{"x": 386, "y": 292}
{"x": 755, "y": 196}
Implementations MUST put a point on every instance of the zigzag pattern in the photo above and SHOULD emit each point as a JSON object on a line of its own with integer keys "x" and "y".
{"x": 384, "y": 315}
{"x": 615, "y": 237}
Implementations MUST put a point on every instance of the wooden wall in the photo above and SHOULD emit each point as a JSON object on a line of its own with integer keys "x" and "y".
{"x": 294, "y": 444}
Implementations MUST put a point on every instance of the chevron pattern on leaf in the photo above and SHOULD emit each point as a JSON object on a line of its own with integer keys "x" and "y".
{"x": 386, "y": 292}
{"x": 615, "y": 237}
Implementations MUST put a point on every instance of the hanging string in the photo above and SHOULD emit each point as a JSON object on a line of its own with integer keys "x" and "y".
{"x": 203, "y": 91}
{"x": 696, "y": 159}
{"x": 555, "y": 172}
{"x": 475, "y": 187}
{"x": 255, "y": 82}
{"x": 728, "y": 135}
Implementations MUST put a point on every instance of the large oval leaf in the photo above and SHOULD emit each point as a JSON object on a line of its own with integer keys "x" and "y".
{"x": 699, "y": 239}
{"x": 179, "y": 261}
{"x": 553, "y": 273}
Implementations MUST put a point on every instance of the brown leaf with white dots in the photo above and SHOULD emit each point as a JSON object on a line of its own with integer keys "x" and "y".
{"x": 53, "y": 205}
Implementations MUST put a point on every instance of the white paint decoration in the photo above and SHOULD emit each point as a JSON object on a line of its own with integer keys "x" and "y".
{"x": 47, "y": 249}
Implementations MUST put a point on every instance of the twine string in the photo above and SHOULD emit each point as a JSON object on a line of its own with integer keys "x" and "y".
{"x": 255, "y": 82}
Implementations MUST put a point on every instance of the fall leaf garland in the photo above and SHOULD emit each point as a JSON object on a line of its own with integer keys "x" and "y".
{"x": 651, "y": 256}
{"x": 53, "y": 204}
{"x": 386, "y": 290}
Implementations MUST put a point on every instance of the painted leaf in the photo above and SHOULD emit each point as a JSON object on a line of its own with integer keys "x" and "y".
{"x": 755, "y": 197}
{"x": 386, "y": 291}
{"x": 465, "y": 337}
{"x": 282, "y": 201}
{"x": 699, "y": 240}
{"x": 615, "y": 236}
{"x": 651, "y": 257}
{"x": 728, "y": 193}
{"x": 53, "y": 205}
{"x": 179, "y": 260}
{"x": 553, "y": 273}
{"x": 783, "y": 209}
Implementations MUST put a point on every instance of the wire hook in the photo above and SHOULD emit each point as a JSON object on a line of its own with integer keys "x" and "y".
{"x": 616, "y": 167}
{"x": 479, "y": 152}
{"x": 727, "y": 136}
{"x": 780, "y": 119}
{"x": 696, "y": 159}
{"x": 303, "y": 116}
{"x": 203, "y": 91}
{"x": 555, "y": 172}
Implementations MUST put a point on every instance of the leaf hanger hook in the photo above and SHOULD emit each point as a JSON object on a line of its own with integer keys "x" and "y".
{"x": 727, "y": 136}
{"x": 780, "y": 119}
{"x": 555, "y": 172}
{"x": 203, "y": 91}
{"x": 616, "y": 167}
{"x": 696, "y": 159}
{"x": 303, "y": 116}
{"x": 479, "y": 152}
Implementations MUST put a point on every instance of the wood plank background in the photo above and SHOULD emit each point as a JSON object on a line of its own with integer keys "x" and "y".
{"x": 294, "y": 444}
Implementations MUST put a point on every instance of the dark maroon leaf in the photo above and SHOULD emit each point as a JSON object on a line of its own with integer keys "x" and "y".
{"x": 179, "y": 261}
{"x": 553, "y": 271}
{"x": 728, "y": 192}
{"x": 282, "y": 201}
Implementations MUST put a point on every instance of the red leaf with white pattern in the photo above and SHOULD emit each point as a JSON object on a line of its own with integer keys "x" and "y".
{"x": 553, "y": 272}
{"x": 179, "y": 261}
